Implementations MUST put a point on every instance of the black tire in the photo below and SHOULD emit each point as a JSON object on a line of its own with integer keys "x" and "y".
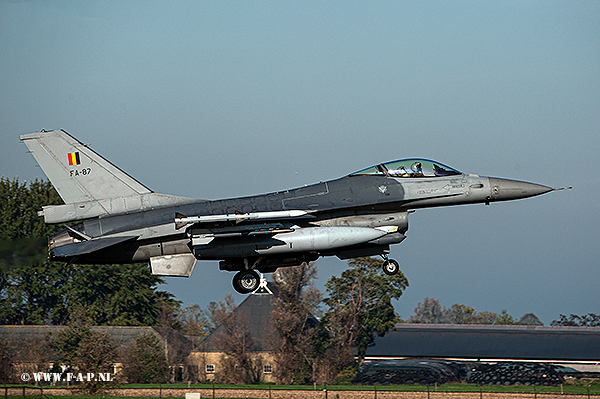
{"x": 246, "y": 281}
{"x": 391, "y": 267}
{"x": 236, "y": 285}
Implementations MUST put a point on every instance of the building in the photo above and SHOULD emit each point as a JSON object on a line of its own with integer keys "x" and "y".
{"x": 487, "y": 354}
{"x": 30, "y": 351}
{"x": 579, "y": 345}
{"x": 191, "y": 358}
{"x": 205, "y": 361}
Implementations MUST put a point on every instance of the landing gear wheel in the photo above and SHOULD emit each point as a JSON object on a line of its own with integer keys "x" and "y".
{"x": 246, "y": 281}
{"x": 391, "y": 267}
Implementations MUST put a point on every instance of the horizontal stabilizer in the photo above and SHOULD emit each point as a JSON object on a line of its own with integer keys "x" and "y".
{"x": 110, "y": 206}
{"x": 87, "y": 247}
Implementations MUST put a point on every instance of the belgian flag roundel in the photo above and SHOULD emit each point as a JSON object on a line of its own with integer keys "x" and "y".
{"x": 73, "y": 158}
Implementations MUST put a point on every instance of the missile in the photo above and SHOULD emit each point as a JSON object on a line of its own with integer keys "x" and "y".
{"x": 237, "y": 217}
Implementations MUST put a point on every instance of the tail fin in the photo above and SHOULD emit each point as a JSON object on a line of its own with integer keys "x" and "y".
{"x": 78, "y": 173}
{"x": 90, "y": 185}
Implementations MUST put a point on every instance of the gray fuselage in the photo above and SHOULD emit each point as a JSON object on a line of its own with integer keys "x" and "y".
{"x": 351, "y": 201}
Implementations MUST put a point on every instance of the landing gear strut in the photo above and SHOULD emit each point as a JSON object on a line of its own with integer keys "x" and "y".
{"x": 390, "y": 266}
{"x": 246, "y": 281}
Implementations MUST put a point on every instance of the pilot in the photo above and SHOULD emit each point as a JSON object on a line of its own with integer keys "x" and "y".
{"x": 417, "y": 169}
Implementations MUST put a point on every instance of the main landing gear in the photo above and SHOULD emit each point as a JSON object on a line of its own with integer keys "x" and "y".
{"x": 246, "y": 281}
{"x": 390, "y": 266}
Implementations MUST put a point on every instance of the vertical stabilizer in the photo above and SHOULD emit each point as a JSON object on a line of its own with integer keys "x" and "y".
{"x": 78, "y": 173}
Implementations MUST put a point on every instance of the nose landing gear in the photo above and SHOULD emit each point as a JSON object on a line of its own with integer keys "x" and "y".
{"x": 390, "y": 266}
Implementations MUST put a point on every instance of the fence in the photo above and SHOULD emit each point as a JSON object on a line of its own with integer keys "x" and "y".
{"x": 212, "y": 392}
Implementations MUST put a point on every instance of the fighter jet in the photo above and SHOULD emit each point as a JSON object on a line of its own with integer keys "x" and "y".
{"x": 111, "y": 218}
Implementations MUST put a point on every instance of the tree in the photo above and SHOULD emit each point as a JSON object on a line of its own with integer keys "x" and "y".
{"x": 34, "y": 294}
{"x": 212, "y": 315}
{"x": 504, "y": 318}
{"x": 485, "y": 317}
{"x": 54, "y": 293}
{"x": 429, "y": 312}
{"x": 168, "y": 310}
{"x": 360, "y": 306}
{"x": 86, "y": 351}
{"x": 36, "y": 291}
{"x": 588, "y": 320}
{"x": 120, "y": 295}
{"x": 66, "y": 342}
{"x": 96, "y": 353}
{"x": 194, "y": 321}
{"x": 19, "y": 222}
{"x": 35, "y": 355}
{"x": 25, "y": 280}
{"x": 238, "y": 365}
{"x": 530, "y": 319}
{"x": 293, "y": 323}
{"x": 462, "y": 314}
{"x": 146, "y": 362}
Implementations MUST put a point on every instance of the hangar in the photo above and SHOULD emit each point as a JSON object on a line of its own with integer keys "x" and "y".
{"x": 491, "y": 342}
{"x": 482, "y": 354}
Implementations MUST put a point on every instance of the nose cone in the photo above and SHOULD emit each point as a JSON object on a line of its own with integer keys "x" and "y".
{"x": 506, "y": 189}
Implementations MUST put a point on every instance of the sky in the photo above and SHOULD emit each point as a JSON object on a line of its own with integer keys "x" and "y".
{"x": 221, "y": 99}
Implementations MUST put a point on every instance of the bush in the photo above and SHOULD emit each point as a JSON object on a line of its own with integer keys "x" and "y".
{"x": 345, "y": 376}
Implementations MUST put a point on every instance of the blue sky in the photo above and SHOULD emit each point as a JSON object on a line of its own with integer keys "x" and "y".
{"x": 223, "y": 99}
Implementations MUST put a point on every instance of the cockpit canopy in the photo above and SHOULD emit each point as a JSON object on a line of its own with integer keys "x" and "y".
{"x": 411, "y": 167}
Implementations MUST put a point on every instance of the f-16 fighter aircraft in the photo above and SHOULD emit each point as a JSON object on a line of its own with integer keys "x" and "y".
{"x": 112, "y": 218}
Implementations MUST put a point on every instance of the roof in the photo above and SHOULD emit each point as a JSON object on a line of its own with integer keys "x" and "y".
{"x": 257, "y": 308}
{"x": 489, "y": 342}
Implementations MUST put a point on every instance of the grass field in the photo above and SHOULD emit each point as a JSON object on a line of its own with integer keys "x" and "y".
{"x": 578, "y": 388}
{"x": 594, "y": 389}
